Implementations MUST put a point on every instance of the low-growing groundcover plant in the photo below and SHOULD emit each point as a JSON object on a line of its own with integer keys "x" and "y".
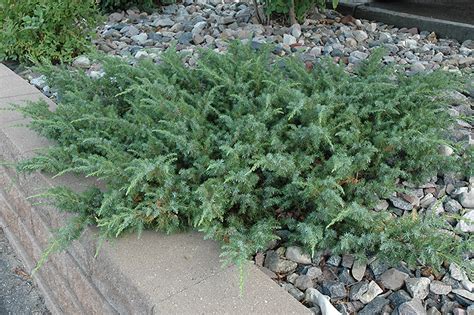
{"x": 244, "y": 145}
{"x": 55, "y": 30}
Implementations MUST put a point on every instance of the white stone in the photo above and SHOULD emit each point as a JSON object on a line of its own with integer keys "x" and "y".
{"x": 372, "y": 292}
{"x": 466, "y": 224}
{"x": 141, "y": 54}
{"x": 360, "y": 35}
{"x": 140, "y": 38}
{"x": 296, "y": 30}
{"x": 289, "y": 39}
{"x": 418, "y": 287}
{"x": 296, "y": 254}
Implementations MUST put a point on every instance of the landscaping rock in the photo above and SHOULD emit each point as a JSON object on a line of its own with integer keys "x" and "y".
{"x": 297, "y": 294}
{"x": 463, "y": 296}
{"x": 452, "y": 206}
{"x": 413, "y": 307}
{"x": 296, "y": 254}
{"x": 418, "y": 287}
{"x": 457, "y": 273}
{"x": 466, "y": 197}
{"x": 357, "y": 290}
{"x": 334, "y": 260}
{"x": 314, "y": 273}
{"x": 440, "y": 288}
{"x": 358, "y": 270}
{"x": 275, "y": 263}
{"x": 336, "y": 290}
{"x": 399, "y": 297}
{"x": 82, "y": 62}
{"x": 303, "y": 282}
{"x": 393, "y": 279}
{"x": 466, "y": 224}
{"x": 360, "y": 35}
{"x": 289, "y": 40}
{"x": 400, "y": 203}
{"x": 372, "y": 292}
{"x": 374, "y": 307}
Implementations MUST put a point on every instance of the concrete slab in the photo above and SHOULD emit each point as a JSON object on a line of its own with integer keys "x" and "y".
{"x": 169, "y": 274}
{"x": 5, "y": 71}
{"x": 7, "y": 115}
{"x": 13, "y": 85}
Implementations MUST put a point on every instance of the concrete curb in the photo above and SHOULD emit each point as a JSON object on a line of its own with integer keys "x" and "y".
{"x": 175, "y": 274}
{"x": 448, "y": 29}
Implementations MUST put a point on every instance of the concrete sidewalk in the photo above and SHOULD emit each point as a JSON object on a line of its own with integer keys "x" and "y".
{"x": 157, "y": 274}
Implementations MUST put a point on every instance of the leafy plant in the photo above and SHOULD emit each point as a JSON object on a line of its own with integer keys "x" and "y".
{"x": 244, "y": 145}
{"x": 54, "y": 30}
{"x": 112, "y": 5}
{"x": 294, "y": 9}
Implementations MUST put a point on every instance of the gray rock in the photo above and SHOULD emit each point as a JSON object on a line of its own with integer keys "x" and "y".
{"x": 400, "y": 203}
{"x": 466, "y": 224}
{"x": 140, "y": 38}
{"x": 297, "y": 294}
{"x": 185, "y": 38}
{"x": 347, "y": 261}
{"x": 198, "y": 27}
{"x": 296, "y": 30}
{"x": 413, "y": 307}
{"x": 372, "y": 292}
{"x": 334, "y": 260}
{"x": 163, "y": 22}
{"x": 275, "y": 263}
{"x": 292, "y": 277}
{"x": 463, "y": 296}
{"x": 358, "y": 269}
{"x": 417, "y": 67}
{"x": 336, "y": 290}
{"x": 427, "y": 200}
{"x": 345, "y": 277}
{"x": 440, "y": 288}
{"x": 382, "y": 205}
{"x": 356, "y": 57}
{"x": 296, "y": 254}
{"x": 131, "y": 31}
{"x": 358, "y": 289}
{"x": 115, "y": 17}
{"x": 374, "y": 307}
{"x": 289, "y": 39}
{"x": 466, "y": 197}
{"x": 452, "y": 206}
{"x": 399, "y": 297}
{"x": 418, "y": 287}
{"x": 39, "y": 82}
{"x": 314, "y": 272}
{"x": 360, "y": 35}
{"x": 82, "y": 62}
{"x": 198, "y": 39}
{"x": 393, "y": 279}
{"x": 433, "y": 311}
{"x": 378, "y": 267}
{"x": 304, "y": 282}
{"x": 316, "y": 51}
{"x": 445, "y": 150}
{"x": 141, "y": 54}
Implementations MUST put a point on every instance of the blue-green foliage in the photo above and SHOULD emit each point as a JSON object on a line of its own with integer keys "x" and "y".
{"x": 244, "y": 145}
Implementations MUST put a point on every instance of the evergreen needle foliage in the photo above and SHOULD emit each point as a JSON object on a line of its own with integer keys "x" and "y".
{"x": 244, "y": 145}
